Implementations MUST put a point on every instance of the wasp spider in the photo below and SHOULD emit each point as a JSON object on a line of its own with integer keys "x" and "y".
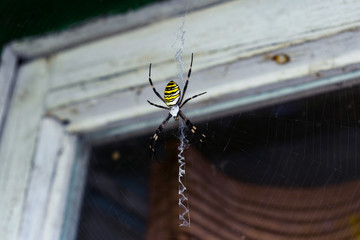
{"x": 174, "y": 102}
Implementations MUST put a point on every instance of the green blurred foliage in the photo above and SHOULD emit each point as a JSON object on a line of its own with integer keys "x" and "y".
{"x": 21, "y": 18}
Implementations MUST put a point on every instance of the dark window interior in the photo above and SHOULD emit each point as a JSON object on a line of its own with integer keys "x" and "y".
{"x": 310, "y": 142}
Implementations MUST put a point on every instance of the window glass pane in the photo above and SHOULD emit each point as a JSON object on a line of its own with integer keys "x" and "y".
{"x": 284, "y": 171}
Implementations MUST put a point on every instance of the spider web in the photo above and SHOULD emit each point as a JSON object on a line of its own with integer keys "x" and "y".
{"x": 306, "y": 144}
{"x": 184, "y": 214}
{"x": 310, "y": 143}
{"x": 317, "y": 136}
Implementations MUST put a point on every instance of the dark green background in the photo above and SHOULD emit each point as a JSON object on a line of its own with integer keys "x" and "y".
{"x": 21, "y": 19}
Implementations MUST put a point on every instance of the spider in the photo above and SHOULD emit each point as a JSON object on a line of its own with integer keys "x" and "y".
{"x": 174, "y": 102}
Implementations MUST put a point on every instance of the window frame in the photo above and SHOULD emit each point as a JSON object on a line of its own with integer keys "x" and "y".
{"x": 42, "y": 183}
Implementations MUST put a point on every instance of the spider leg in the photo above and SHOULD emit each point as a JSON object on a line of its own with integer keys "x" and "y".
{"x": 187, "y": 79}
{"x": 192, "y": 128}
{"x": 157, "y": 105}
{"x": 152, "y": 85}
{"x": 155, "y": 137}
{"x": 197, "y": 95}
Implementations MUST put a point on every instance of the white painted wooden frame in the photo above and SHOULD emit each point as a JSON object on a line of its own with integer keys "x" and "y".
{"x": 62, "y": 93}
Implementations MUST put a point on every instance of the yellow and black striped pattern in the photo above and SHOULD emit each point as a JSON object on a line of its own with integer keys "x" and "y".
{"x": 172, "y": 93}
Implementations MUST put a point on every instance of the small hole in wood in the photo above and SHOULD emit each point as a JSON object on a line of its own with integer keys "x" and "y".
{"x": 281, "y": 58}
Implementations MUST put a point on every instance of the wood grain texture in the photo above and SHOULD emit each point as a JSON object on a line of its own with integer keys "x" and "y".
{"x": 8, "y": 67}
{"x": 75, "y": 191}
{"x": 96, "y": 29}
{"x": 236, "y": 86}
{"x": 19, "y": 143}
{"x": 41, "y": 179}
{"x": 222, "y": 208}
{"x": 101, "y": 88}
{"x": 234, "y": 30}
{"x": 51, "y": 206}
{"x": 57, "y": 202}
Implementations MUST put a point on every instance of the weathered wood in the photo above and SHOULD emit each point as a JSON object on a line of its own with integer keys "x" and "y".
{"x": 19, "y": 143}
{"x": 237, "y": 29}
{"x": 75, "y": 192}
{"x": 101, "y": 87}
{"x": 42, "y": 174}
{"x": 36, "y": 165}
{"x": 57, "y": 202}
{"x": 243, "y": 84}
{"x": 104, "y": 27}
{"x": 8, "y": 67}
